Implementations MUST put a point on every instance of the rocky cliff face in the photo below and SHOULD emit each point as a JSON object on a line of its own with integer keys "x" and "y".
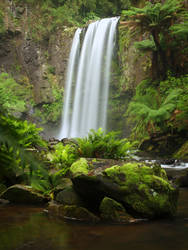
{"x": 27, "y": 57}
{"x": 130, "y": 67}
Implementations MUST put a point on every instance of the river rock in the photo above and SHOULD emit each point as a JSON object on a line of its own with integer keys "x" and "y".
{"x": 71, "y": 212}
{"x": 68, "y": 196}
{"x": 111, "y": 210}
{"x": 144, "y": 191}
{"x": 80, "y": 214}
{"x": 21, "y": 194}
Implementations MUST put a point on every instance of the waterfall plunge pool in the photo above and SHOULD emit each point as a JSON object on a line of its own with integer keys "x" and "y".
{"x": 29, "y": 228}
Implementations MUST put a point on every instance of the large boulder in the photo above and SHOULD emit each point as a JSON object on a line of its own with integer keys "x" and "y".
{"x": 21, "y": 194}
{"x": 144, "y": 191}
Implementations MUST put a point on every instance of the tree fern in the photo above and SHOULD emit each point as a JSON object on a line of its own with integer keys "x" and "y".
{"x": 180, "y": 30}
{"x": 147, "y": 44}
{"x": 156, "y": 19}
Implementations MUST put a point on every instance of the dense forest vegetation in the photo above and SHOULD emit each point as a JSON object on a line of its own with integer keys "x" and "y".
{"x": 158, "y": 109}
{"x": 160, "y": 103}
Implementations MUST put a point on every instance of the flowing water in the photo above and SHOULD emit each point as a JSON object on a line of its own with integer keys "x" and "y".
{"x": 88, "y": 77}
{"x": 29, "y": 228}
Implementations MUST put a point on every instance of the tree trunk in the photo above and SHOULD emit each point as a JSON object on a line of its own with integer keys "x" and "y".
{"x": 161, "y": 54}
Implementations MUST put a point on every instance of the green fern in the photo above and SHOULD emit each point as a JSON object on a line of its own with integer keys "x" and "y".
{"x": 159, "y": 110}
{"x": 145, "y": 45}
{"x": 180, "y": 30}
{"x": 100, "y": 145}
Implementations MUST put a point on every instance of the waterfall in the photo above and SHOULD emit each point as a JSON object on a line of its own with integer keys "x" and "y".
{"x": 88, "y": 77}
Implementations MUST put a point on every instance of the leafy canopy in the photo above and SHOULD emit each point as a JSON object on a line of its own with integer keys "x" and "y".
{"x": 154, "y": 16}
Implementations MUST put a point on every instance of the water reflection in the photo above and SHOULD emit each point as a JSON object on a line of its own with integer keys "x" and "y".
{"x": 23, "y": 228}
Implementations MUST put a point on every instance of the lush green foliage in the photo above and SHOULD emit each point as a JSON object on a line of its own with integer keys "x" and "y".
{"x": 15, "y": 136}
{"x": 162, "y": 109}
{"x": 163, "y": 22}
{"x": 51, "y": 112}
{"x": 44, "y": 181}
{"x": 26, "y": 134}
{"x": 100, "y": 145}
{"x": 96, "y": 145}
{"x": 53, "y": 14}
{"x": 64, "y": 156}
{"x": 12, "y": 94}
{"x": 147, "y": 44}
{"x": 180, "y": 30}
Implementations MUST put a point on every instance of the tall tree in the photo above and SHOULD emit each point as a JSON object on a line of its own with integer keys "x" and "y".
{"x": 157, "y": 18}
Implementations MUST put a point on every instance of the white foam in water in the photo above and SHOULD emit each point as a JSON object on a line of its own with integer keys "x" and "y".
{"x": 177, "y": 165}
{"x": 88, "y": 77}
{"x": 180, "y": 165}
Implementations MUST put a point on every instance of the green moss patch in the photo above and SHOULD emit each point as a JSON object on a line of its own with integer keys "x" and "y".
{"x": 79, "y": 167}
{"x": 146, "y": 189}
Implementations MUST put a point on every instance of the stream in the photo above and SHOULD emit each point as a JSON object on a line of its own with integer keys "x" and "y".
{"x": 29, "y": 228}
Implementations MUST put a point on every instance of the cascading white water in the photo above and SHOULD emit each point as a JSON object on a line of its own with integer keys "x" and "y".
{"x": 70, "y": 80}
{"x": 88, "y": 76}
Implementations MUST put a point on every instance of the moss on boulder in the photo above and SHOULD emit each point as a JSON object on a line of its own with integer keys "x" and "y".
{"x": 79, "y": 213}
{"x": 72, "y": 212}
{"x": 143, "y": 190}
{"x": 111, "y": 210}
{"x": 68, "y": 196}
{"x": 79, "y": 167}
{"x": 146, "y": 190}
{"x": 21, "y": 194}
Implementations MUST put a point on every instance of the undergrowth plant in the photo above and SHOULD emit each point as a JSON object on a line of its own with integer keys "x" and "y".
{"x": 63, "y": 157}
{"x": 100, "y": 145}
{"x": 161, "y": 108}
{"x": 15, "y": 137}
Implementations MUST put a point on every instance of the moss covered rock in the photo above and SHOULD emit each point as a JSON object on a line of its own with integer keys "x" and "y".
{"x": 68, "y": 196}
{"x": 144, "y": 191}
{"x": 79, "y": 167}
{"x": 21, "y": 194}
{"x": 111, "y": 210}
{"x": 71, "y": 212}
{"x": 182, "y": 153}
{"x": 79, "y": 213}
